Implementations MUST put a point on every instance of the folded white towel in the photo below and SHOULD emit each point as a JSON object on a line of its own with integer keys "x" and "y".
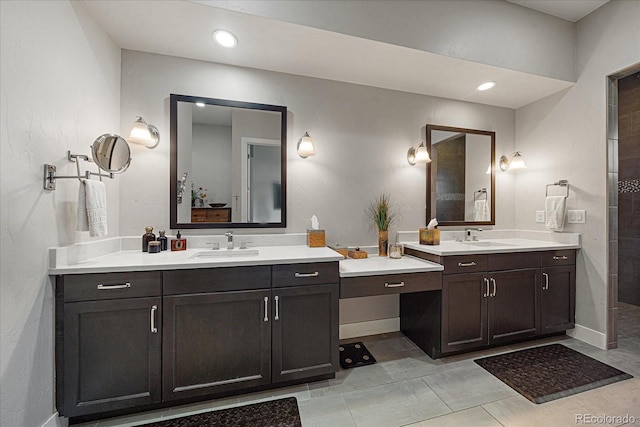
{"x": 481, "y": 210}
{"x": 92, "y": 208}
{"x": 554, "y": 212}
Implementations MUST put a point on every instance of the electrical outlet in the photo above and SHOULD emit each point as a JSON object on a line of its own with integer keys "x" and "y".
{"x": 577, "y": 216}
{"x": 539, "y": 216}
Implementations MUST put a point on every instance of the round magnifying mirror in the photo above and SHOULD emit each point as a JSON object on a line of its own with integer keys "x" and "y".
{"x": 111, "y": 153}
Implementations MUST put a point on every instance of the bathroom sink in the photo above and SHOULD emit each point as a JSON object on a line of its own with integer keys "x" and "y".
{"x": 225, "y": 253}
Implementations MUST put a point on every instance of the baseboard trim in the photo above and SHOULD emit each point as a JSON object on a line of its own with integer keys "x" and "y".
{"x": 371, "y": 327}
{"x": 56, "y": 420}
{"x": 590, "y": 336}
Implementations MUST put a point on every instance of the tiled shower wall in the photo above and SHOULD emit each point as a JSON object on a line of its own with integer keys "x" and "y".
{"x": 629, "y": 189}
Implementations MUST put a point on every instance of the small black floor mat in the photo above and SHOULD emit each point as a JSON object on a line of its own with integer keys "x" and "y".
{"x": 354, "y": 355}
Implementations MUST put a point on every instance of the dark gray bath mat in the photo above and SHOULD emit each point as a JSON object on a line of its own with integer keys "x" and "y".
{"x": 354, "y": 355}
{"x": 274, "y": 413}
{"x": 550, "y": 372}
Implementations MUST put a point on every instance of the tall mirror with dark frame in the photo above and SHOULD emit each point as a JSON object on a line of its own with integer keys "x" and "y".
{"x": 461, "y": 176}
{"x": 228, "y": 164}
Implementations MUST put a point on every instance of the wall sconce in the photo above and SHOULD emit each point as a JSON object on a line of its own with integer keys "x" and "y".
{"x": 420, "y": 154}
{"x": 516, "y": 162}
{"x": 305, "y": 146}
{"x": 144, "y": 134}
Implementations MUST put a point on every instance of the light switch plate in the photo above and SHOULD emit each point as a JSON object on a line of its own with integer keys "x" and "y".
{"x": 577, "y": 216}
{"x": 539, "y": 216}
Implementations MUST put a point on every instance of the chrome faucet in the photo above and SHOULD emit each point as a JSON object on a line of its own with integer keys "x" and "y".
{"x": 467, "y": 234}
{"x": 229, "y": 235}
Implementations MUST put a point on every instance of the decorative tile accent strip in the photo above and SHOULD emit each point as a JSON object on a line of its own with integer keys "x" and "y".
{"x": 450, "y": 196}
{"x": 629, "y": 186}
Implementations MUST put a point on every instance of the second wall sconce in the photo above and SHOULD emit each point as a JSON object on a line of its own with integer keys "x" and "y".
{"x": 305, "y": 146}
{"x": 144, "y": 134}
{"x": 516, "y": 162}
{"x": 418, "y": 155}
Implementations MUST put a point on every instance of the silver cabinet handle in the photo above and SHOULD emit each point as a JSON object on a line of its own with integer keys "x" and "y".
{"x": 467, "y": 264}
{"x": 486, "y": 292}
{"x": 493, "y": 282}
{"x": 154, "y": 330}
{"x": 277, "y": 300}
{"x": 546, "y": 281}
{"x": 107, "y": 287}
{"x": 314, "y": 274}
{"x": 560, "y": 257}
{"x": 394, "y": 285}
{"x": 266, "y": 309}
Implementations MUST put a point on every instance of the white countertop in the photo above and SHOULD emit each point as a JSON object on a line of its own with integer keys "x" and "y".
{"x": 376, "y": 266}
{"x": 136, "y": 260}
{"x": 491, "y": 246}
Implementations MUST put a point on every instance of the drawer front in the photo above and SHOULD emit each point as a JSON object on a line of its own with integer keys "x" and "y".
{"x": 364, "y": 286}
{"x": 561, "y": 257}
{"x": 205, "y": 280}
{"x": 315, "y": 273}
{"x": 105, "y": 286}
{"x": 513, "y": 261}
{"x": 219, "y": 215}
{"x": 464, "y": 263}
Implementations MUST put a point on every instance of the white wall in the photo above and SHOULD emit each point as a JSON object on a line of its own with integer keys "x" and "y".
{"x": 493, "y": 32}
{"x": 361, "y": 134}
{"x": 60, "y": 80}
{"x": 564, "y": 137}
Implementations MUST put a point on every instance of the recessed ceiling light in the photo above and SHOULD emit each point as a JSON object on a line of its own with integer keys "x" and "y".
{"x": 225, "y": 38}
{"x": 486, "y": 86}
{"x": 200, "y": 104}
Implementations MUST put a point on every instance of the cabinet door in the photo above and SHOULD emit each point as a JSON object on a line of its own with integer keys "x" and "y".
{"x": 215, "y": 342}
{"x": 464, "y": 312}
{"x": 305, "y": 331}
{"x": 111, "y": 355}
{"x": 513, "y": 305}
{"x": 557, "y": 299}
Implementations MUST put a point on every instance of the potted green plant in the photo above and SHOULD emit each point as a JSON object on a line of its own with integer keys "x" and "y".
{"x": 383, "y": 215}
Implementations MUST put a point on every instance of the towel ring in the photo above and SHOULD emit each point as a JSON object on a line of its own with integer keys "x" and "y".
{"x": 562, "y": 183}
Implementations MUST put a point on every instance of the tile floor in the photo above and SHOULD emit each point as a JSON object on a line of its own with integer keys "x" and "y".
{"x": 407, "y": 388}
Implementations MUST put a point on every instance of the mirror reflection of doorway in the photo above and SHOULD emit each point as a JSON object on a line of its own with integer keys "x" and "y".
{"x": 263, "y": 182}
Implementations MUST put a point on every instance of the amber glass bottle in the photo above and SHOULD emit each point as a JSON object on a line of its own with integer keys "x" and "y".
{"x": 146, "y": 238}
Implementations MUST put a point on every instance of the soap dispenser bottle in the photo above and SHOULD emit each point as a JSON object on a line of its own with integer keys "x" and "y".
{"x": 147, "y": 237}
{"x": 178, "y": 244}
{"x": 163, "y": 240}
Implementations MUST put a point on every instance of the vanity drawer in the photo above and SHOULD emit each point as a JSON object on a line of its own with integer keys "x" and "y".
{"x": 464, "y": 263}
{"x": 105, "y": 286}
{"x": 364, "y": 286}
{"x": 513, "y": 261}
{"x": 285, "y": 275}
{"x": 221, "y": 279}
{"x": 560, "y": 257}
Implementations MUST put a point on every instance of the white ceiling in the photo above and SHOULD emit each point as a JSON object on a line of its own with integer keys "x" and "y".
{"x": 183, "y": 29}
{"x": 571, "y": 10}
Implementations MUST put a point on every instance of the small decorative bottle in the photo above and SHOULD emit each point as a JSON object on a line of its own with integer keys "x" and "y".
{"x": 146, "y": 238}
{"x": 178, "y": 244}
{"x": 163, "y": 240}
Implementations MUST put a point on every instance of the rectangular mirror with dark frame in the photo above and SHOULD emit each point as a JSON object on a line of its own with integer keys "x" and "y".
{"x": 461, "y": 176}
{"x": 228, "y": 164}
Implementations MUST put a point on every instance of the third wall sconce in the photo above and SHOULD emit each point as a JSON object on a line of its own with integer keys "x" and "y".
{"x": 515, "y": 163}
{"x": 305, "y": 146}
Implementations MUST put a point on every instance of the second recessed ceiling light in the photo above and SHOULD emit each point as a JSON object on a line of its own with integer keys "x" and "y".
{"x": 225, "y": 38}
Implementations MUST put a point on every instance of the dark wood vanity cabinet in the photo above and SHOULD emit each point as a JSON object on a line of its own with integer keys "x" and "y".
{"x": 492, "y": 299}
{"x": 131, "y": 340}
{"x": 108, "y": 342}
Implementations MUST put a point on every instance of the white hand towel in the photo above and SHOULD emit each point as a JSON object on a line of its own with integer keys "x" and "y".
{"x": 92, "y": 208}
{"x": 554, "y": 211}
{"x": 481, "y": 210}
